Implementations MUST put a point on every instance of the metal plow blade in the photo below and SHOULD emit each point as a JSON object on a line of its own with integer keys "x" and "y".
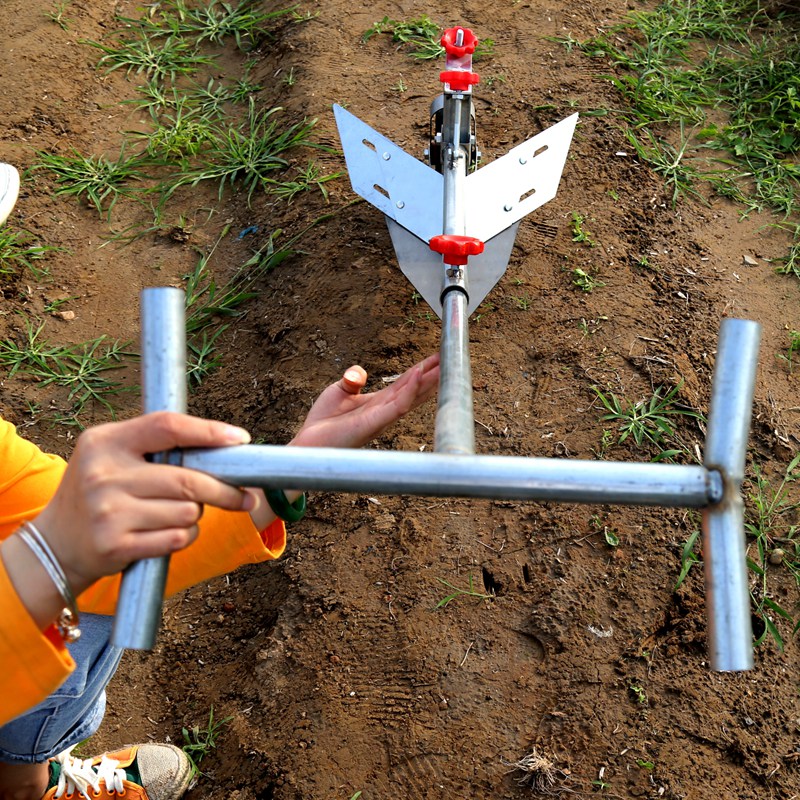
{"x": 410, "y": 194}
{"x": 423, "y": 267}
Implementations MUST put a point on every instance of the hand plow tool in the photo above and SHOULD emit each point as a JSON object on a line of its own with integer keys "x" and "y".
{"x": 453, "y": 227}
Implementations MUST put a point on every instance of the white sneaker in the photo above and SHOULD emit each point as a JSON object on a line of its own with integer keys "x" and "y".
{"x": 9, "y": 190}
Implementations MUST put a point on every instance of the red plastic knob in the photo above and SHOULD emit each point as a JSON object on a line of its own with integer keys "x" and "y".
{"x": 459, "y": 81}
{"x": 456, "y": 250}
{"x": 469, "y": 42}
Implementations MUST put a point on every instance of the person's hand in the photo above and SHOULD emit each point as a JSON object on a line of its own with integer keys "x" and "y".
{"x": 343, "y": 417}
{"x": 113, "y": 507}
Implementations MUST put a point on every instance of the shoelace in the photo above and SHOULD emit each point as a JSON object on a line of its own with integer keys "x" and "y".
{"x": 80, "y": 774}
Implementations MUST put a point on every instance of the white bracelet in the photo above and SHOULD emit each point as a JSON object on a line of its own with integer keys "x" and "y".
{"x": 67, "y": 621}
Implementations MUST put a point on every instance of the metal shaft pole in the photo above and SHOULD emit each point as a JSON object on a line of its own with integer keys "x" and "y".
{"x": 455, "y": 424}
{"x": 727, "y": 595}
{"x": 433, "y": 474}
{"x": 163, "y": 389}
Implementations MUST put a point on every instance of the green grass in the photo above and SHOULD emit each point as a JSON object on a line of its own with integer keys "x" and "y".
{"x": 771, "y": 522}
{"x": 458, "y": 592}
{"x": 711, "y": 93}
{"x": 97, "y": 180}
{"x": 19, "y": 251}
{"x": 82, "y": 369}
{"x": 420, "y": 37}
{"x": 307, "y": 179}
{"x": 152, "y": 58}
{"x": 180, "y": 132}
{"x": 210, "y": 306}
{"x": 199, "y": 741}
{"x": 246, "y": 22}
{"x": 250, "y": 153}
{"x": 649, "y": 422}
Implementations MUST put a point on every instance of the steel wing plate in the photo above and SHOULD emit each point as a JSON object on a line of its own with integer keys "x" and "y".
{"x": 399, "y": 185}
{"x": 506, "y": 190}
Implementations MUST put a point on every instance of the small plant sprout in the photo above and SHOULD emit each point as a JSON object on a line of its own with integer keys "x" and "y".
{"x": 638, "y": 692}
{"x": 585, "y": 281}
{"x": 57, "y": 14}
{"x": 400, "y": 86}
{"x": 199, "y": 742}
{"x": 538, "y": 772}
{"x": 523, "y": 302}
{"x": 600, "y": 783}
{"x": 611, "y": 537}
{"x": 579, "y": 233}
{"x": 470, "y": 591}
{"x": 689, "y": 557}
{"x": 289, "y": 79}
{"x": 791, "y": 350}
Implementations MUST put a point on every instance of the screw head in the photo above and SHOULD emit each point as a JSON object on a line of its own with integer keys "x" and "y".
{"x": 387, "y": 156}
{"x": 508, "y": 207}
{"x": 400, "y": 204}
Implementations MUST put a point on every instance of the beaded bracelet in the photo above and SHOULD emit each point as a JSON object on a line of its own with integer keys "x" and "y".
{"x": 67, "y": 620}
{"x": 282, "y": 508}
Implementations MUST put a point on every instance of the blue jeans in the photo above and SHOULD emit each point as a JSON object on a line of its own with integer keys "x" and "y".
{"x": 75, "y": 710}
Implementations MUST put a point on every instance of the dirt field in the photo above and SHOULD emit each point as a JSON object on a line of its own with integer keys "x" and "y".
{"x": 338, "y": 672}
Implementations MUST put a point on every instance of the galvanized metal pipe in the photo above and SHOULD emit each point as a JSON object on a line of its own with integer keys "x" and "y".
{"x": 455, "y": 423}
{"x": 727, "y": 595}
{"x": 163, "y": 389}
{"x": 433, "y": 474}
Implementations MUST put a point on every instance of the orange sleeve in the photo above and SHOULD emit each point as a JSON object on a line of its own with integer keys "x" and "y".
{"x": 28, "y": 479}
{"x": 34, "y": 665}
{"x": 227, "y": 540}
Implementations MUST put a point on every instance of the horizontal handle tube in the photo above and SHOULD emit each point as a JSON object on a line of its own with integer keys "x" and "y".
{"x": 432, "y": 474}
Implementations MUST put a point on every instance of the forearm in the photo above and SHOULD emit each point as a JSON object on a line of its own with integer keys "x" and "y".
{"x": 33, "y": 585}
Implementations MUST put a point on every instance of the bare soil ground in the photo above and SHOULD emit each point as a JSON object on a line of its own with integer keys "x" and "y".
{"x": 337, "y": 671}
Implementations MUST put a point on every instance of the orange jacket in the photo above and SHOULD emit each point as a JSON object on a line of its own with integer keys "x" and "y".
{"x": 34, "y": 663}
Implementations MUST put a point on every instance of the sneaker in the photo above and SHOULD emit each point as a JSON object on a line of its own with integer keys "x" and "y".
{"x": 9, "y": 189}
{"x": 139, "y": 771}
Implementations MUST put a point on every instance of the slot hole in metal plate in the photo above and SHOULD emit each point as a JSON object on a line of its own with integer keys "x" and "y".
{"x": 368, "y": 143}
{"x": 382, "y": 191}
{"x": 540, "y": 150}
{"x": 527, "y": 194}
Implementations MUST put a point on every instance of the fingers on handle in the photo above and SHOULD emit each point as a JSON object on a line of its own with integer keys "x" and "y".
{"x": 164, "y": 430}
{"x": 154, "y": 544}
